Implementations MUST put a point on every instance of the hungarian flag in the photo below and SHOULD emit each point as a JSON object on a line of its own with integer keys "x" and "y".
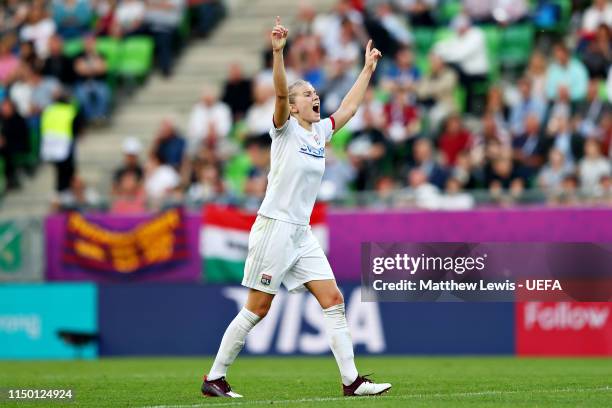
{"x": 224, "y": 240}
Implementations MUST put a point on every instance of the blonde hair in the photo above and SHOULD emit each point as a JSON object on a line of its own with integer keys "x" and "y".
{"x": 293, "y": 89}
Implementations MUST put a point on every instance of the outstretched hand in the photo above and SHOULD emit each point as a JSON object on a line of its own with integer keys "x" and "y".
{"x": 372, "y": 55}
{"x": 278, "y": 36}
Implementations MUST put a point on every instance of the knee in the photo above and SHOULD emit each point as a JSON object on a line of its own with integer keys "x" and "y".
{"x": 332, "y": 299}
{"x": 260, "y": 308}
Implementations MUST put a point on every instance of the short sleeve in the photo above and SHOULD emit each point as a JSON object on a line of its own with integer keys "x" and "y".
{"x": 276, "y": 132}
{"x": 328, "y": 126}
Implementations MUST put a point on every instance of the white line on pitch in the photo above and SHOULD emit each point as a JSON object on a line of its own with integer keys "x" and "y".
{"x": 412, "y": 396}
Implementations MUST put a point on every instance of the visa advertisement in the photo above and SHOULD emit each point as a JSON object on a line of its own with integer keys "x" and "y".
{"x": 34, "y": 316}
{"x": 180, "y": 319}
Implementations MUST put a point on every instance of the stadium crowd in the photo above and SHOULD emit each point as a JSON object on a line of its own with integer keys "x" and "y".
{"x": 61, "y": 64}
{"x": 497, "y": 102}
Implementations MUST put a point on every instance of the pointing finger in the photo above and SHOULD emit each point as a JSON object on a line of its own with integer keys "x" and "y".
{"x": 369, "y": 46}
{"x": 277, "y": 20}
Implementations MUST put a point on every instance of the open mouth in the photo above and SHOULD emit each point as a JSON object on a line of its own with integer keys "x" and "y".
{"x": 315, "y": 108}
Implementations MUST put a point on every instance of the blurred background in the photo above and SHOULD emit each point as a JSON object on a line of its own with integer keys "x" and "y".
{"x": 134, "y": 154}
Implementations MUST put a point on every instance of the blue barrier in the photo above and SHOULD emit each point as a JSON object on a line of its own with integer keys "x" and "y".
{"x": 187, "y": 319}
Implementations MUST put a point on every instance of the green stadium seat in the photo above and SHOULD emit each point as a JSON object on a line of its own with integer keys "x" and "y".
{"x": 459, "y": 95}
{"x": 136, "y": 57}
{"x": 423, "y": 40}
{"x": 443, "y": 34}
{"x": 422, "y": 63}
{"x": 31, "y": 158}
{"x": 110, "y": 48}
{"x": 493, "y": 41}
{"x": 448, "y": 10}
{"x": 236, "y": 172}
{"x": 74, "y": 47}
{"x": 516, "y": 44}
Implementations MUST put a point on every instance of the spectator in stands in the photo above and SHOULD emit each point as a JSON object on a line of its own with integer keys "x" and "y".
{"x": 57, "y": 64}
{"x": 426, "y": 195}
{"x": 569, "y": 194}
{"x": 9, "y": 63}
{"x": 528, "y": 104}
{"x": 91, "y": 89}
{"x": 371, "y": 106}
{"x": 258, "y": 151}
{"x": 163, "y": 18}
{"x": 347, "y": 51}
{"x": 598, "y": 56}
{"x": 105, "y": 24}
{"x": 27, "y": 54}
{"x": 340, "y": 77}
{"x": 131, "y": 148}
{"x": 402, "y": 73}
{"x": 590, "y": 111}
{"x": 455, "y": 198}
{"x": 436, "y": 90}
{"x": 592, "y": 167}
{"x": 467, "y": 53}
{"x": 38, "y": 29}
{"x": 237, "y": 91}
{"x": 530, "y": 148}
{"x": 128, "y": 194}
{"x": 554, "y": 172}
{"x": 129, "y": 18}
{"x": 61, "y": 126}
{"x": 13, "y": 14}
{"x": 503, "y": 176}
{"x": 72, "y": 17}
{"x": 210, "y": 121}
{"x": 208, "y": 14}
{"x": 328, "y": 26}
{"x": 454, "y": 139}
{"x": 536, "y": 72}
{"x": 424, "y": 160}
{"x": 393, "y": 24}
{"x": 495, "y": 106}
{"x": 169, "y": 146}
{"x": 568, "y": 72}
{"x": 600, "y": 12}
{"x": 370, "y": 153}
{"x": 162, "y": 181}
{"x": 14, "y": 139}
{"x": 32, "y": 93}
{"x": 420, "y": 12}
{"x": 259, "y": 115}
{"x": 561, "y": 136}
{"x": 79, "y": 197}
{"x": 402, "y": 121}
{"x": 207, "y": 185}
{"x": 496, "y": 11}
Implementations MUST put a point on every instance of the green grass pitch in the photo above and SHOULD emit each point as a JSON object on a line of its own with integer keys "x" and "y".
{"x": 314, "y": 382}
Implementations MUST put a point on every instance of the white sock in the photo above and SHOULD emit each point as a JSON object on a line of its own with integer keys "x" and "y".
{"x": 340, "y": 342}
{"x": 232, "y": 342}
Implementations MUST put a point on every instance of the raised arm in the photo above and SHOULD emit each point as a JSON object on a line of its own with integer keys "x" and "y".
{"x": 354, "y": 97}
{"x": 281, "y": 106}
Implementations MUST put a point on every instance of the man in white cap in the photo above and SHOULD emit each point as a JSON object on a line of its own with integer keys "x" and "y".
{"x": 131, "y": 148}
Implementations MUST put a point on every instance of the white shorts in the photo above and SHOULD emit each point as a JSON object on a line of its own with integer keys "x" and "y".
{"x": 281, "y": 252}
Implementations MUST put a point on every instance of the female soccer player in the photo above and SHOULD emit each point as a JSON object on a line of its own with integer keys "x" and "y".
{"x": 282, "y": 248}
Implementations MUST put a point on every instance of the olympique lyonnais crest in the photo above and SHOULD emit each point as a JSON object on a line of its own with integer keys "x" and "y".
{"x": 266, "y": 279}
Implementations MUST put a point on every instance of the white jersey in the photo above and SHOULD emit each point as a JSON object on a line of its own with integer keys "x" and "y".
{"x": 297, "y": 166}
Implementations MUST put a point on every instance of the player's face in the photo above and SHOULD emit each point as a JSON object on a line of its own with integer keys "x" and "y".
{"x": 307, "y": 104}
